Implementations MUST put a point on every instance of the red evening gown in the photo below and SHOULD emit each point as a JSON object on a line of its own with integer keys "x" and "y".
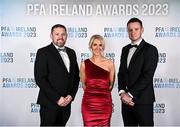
{"x": 97, "y": 101}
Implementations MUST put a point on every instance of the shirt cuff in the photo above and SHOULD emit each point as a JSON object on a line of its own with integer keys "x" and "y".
{"x": 130, "y": 95}
{"x": 121, "y": 91}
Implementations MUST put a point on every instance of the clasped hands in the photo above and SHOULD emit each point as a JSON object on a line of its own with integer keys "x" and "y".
{"x": 64, "y": 101}
{"x": 127, "y": 99}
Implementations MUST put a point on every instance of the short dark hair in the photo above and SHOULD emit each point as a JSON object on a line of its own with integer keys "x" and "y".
{"x": 135, "y": 20}
{"x": 56, "y": 26}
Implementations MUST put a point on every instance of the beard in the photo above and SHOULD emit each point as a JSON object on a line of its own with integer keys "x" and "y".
{"x": 59, "y": 43}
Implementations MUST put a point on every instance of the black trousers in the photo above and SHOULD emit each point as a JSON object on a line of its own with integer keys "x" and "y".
{"x": 139, "y": 115}
{"x": 51, "y": 116}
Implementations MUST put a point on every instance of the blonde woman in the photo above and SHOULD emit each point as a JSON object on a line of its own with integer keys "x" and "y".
{"x": 97, "y": 76}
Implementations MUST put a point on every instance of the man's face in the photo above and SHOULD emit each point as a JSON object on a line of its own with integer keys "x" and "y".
{"x": 59, "y": 36}
{"x": 135, "y": 31}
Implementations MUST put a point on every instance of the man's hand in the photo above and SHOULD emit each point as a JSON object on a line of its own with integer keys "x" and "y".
{"x": 61, "y": 102}
{"x": 64, "y": 101}
{"x": 127, "y": 99}
{"x": 68, "y": 99}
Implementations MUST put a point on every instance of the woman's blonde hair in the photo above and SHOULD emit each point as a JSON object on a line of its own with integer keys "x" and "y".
{"x": 98, "y": 37}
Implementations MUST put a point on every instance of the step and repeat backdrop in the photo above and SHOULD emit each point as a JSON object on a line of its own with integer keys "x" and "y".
{"x": 25, "y": 26}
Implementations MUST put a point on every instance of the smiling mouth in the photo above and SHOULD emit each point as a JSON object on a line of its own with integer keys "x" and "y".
{"x": 60, "y": 39}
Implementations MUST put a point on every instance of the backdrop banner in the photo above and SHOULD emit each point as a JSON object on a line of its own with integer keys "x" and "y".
{"x": 25, "y": 26}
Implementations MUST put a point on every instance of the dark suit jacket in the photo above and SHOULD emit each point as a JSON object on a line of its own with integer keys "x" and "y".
{"x": 52, "y": 76}
{"x": 138, "y": 77}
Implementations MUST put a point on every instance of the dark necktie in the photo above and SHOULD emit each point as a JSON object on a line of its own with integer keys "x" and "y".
{"x": 61, "y": 49}
{"x": 131, "y": 46}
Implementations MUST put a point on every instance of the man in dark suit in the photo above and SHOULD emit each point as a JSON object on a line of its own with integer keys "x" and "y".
{"x": 135, "y": 77}
{"x": 57, "y": 75}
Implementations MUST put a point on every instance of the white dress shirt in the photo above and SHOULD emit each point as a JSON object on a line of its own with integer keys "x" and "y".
{"x": 130, "y": 54}
{"x": 132, "y": 50}
{"x": 65, "y": 57}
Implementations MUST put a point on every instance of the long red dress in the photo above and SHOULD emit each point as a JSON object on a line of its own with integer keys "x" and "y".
{"x": 97, "y": 101}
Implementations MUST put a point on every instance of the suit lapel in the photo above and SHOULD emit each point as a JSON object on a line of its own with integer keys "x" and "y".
{"x": 70, "y": 58}
{"x": 136, "y": 52}
{"x": 57, "y": 55}
{"x": 125, "y": 56}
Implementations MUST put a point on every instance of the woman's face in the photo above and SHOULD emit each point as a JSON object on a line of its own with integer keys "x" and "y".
{"x": 97, "y": 47}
